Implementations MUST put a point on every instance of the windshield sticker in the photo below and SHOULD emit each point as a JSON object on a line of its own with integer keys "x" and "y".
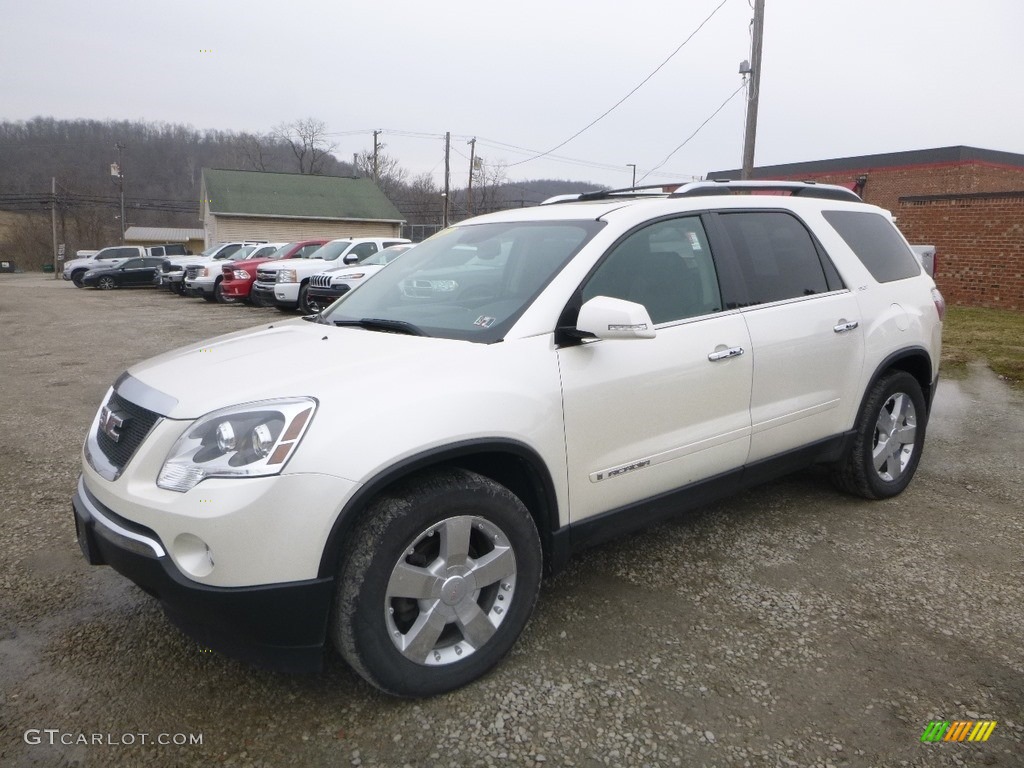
{"x": 484, "y": 322}
{"x": 694, "y": 241}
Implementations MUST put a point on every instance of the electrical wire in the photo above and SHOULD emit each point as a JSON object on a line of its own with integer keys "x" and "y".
{"x": 699, "y": 127}
{"x": 637, "y": 88}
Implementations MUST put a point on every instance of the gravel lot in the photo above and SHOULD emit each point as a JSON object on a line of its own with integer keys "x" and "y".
{"x": 791, "y": 626}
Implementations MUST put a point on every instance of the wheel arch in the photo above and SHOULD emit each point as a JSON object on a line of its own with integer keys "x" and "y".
{"x": 916, "y": 361}
{"x": 508, "y": 462}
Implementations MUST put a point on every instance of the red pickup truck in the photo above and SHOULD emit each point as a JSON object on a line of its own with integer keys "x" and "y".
{"x": 240, "y": 275}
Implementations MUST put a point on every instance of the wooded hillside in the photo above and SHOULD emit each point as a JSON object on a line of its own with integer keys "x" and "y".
{"x": 161, "y": 166}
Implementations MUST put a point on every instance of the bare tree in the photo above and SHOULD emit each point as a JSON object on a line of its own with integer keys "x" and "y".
{"x": 390, "y": 175}
{"x": 254, "y": 150}
{"x": 307, "y": 139}
{"x": 488, "y": 193}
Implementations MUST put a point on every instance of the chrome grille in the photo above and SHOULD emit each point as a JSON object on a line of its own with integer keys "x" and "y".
{"x": 137, "y": 422}
{"x": 192, "y": 272}
{"x": 320, "y": 281}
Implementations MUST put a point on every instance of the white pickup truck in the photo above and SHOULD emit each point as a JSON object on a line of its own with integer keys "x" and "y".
{"x": 75, "y": 269}
{"x": 283, "y": 284}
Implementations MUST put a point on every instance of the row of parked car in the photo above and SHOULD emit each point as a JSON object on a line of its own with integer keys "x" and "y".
{"x": 306, "y": 275}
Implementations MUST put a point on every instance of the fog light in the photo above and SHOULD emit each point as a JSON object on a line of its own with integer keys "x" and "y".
{"x": 193, "y": 555}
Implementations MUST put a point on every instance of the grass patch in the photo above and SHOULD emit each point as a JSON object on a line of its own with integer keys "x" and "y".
{"x": 993, "y": 335}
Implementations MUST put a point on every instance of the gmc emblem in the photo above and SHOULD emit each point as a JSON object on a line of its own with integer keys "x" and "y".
{"x": 111, "y": 422}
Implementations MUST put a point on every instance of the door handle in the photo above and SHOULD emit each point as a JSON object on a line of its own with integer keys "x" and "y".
{"x": 844, "y": 327}
{"x": 725, "y": 354}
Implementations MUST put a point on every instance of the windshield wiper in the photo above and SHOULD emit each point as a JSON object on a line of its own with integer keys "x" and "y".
{"x": 379, "y": 324}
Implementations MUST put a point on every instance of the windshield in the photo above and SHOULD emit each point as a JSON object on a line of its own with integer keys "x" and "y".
{"x": 329, "y": 252}
{"x": 210, "y": 251}
{"x": 240, "y": 254}
{"x": 470, "y": 282}
{"x": 281, "y": 252}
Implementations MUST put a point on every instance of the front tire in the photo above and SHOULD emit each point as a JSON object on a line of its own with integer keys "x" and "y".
{"x": 303, "y": 305}
{"x": 106, "y": 284}
{"x": 437, "y": 583}
{"x": 219, "y": 297}
{"x": 889, "y": 439}
{"x": 76, "y": 278}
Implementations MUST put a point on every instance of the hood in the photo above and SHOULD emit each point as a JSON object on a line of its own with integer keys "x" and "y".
{"x": 319, "y": 264}
{"x": 290, "y": 359}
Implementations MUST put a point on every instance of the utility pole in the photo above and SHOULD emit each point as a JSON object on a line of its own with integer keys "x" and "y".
{"x": 633, "y": 166}
{"x": 754, "y": 89}
{"x": 469, "y": 187}
{"x": 447, "y": 173}
{"x": 376, "y": 149}
{"x": 53, "y": 222}
{"x": 120, "y": 180}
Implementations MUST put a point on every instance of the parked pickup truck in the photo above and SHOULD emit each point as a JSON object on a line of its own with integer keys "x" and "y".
{"x": 240, "y": 275}
{"x": 203, "y": 277}
{"x": 284, "y": 284}
{"x": 172, "y": 271}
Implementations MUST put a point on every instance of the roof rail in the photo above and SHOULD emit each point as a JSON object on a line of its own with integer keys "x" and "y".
{"x": 794, "y": 188}
{"x": 649, "y": 190}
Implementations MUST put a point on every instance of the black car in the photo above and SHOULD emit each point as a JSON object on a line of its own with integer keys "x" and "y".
{"x": 127, "y": 273}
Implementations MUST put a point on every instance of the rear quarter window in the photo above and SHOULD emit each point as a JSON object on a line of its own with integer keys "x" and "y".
{"x": 876, "y": 242}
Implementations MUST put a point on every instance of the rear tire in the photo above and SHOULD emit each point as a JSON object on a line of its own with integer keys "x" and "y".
{"x": 436, "y": 584}
{"x": 889, "y": 439}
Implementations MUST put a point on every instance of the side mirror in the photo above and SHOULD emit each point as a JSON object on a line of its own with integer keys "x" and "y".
{"x": 608, "y": 318}
{"x": 351, "y": 259}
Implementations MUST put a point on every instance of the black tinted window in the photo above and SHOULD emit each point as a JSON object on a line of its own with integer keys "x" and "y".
{"x": 776, "y": 255}
{"x": 132, "y": 264}
{"x": 666, "y": 266}
{"x": 877, "y": 244}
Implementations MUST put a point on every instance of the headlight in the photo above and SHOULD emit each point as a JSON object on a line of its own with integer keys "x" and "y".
{"x": 251, "y": 440}
{"x": 286, "y": 276}
{"x": 346, "y": 278}
{"x": 241, "y": 274}
{"x": 203, "y": 272}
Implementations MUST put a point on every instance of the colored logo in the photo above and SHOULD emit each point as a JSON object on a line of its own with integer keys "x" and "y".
{"x": 958, "y": 730}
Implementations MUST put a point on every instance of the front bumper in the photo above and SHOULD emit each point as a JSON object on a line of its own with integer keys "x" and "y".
{"x": 280, "y": 626}
{"x": 236, "y": 289}
{"x": 286, "y": 295}
{"x": 262, "y": 296}
{"x": 325, "y": 296}
{"x": 199, "y": 287}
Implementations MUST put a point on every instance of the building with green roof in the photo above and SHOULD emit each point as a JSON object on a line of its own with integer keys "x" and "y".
{"x": 257, "y": 205}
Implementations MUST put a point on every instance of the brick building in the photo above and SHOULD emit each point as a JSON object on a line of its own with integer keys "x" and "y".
{"x": 968, "y": 202}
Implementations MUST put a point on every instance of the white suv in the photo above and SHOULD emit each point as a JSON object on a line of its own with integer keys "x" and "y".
{"x": 545, "y": 378}
{"x": 284, "y": 284}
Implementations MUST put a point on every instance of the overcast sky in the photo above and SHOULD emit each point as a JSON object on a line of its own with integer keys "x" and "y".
{"x": 839, "y": 77}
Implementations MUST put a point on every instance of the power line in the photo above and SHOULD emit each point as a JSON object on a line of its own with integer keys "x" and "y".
{"x": 699, "y": 127}
{"x": 637, "y": 88}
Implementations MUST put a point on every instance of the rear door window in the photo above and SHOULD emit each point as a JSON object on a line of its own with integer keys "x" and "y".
{"x": 877, "y": 244}
{"x": 776, "y": 255}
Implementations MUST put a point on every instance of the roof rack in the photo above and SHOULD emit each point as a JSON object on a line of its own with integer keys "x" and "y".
{"x": 649, "y": 190}
{"x": 794, "y": 188}
{"x": 714, "y": 187}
